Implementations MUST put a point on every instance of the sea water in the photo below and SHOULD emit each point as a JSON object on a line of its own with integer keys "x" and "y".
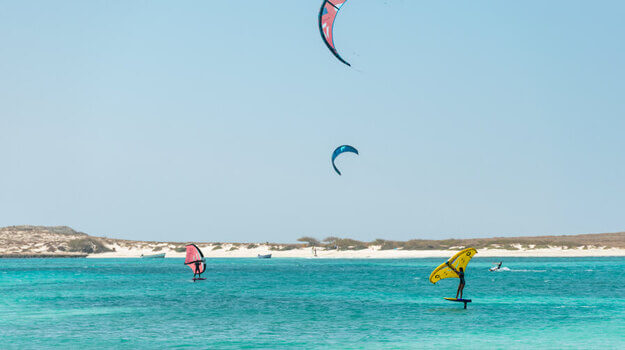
{"x": 557, "y": 303}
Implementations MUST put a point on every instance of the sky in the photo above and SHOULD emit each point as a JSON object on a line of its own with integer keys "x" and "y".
{"x": 216, "y": 120}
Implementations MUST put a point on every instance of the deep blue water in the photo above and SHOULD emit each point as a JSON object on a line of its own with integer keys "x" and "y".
{"x": 310, "y": 303}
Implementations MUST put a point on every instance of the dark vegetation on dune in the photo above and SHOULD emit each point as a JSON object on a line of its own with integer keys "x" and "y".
{"x": 61, "y": 230}
{"x": 610, "y": 240}
{"x": 87, "y": 245}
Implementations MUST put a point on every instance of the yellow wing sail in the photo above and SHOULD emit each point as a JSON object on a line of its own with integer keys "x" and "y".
{"x": 460, "y": 259}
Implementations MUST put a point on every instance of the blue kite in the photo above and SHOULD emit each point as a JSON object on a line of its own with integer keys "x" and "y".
{"x": 338, "y": 151}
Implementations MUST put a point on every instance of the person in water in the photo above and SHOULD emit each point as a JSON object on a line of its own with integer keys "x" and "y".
{"x": 460, "y": 273}
{"x": 496, "y": 267}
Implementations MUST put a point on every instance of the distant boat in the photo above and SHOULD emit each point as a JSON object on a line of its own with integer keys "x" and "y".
{"x": 266, "y": 256}
{"x": 153, "y": 256}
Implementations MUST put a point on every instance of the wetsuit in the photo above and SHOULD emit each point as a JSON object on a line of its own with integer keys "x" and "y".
{"x": 197, "y": 270}
{"x": 461, "y": 276}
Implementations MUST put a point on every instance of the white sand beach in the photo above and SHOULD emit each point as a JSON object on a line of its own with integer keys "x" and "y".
{"x": 232, "y": 251}
{"x": 62, "y": 241}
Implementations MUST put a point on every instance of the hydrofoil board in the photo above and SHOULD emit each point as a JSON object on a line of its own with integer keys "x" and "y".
{"x": 465, "y": 301}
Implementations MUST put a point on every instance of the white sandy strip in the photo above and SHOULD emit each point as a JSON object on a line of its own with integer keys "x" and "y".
{"x": 371, "y": 253}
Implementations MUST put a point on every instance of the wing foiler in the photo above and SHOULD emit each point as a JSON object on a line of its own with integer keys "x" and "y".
{"x": 195, "y": 260}
{"x": 460, "y": 259}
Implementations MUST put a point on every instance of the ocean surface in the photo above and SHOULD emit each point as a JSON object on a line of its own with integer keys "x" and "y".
{"x": 557, "y": 303}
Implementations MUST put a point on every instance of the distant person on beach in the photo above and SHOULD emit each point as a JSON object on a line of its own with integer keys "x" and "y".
{"x": 460, "y": 273}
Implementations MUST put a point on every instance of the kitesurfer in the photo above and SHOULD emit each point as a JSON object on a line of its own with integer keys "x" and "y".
{"x": 496, "y": 267}
{"x": 460, "y": 273}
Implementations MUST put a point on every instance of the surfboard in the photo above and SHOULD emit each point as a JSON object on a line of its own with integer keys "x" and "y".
{"x": 199, "y": 279}
{"x": 465, "y": 301}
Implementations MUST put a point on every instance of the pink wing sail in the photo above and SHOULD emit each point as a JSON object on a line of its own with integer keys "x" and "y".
{"x": 194, "y": 254}
{"x": 327, "y": 15}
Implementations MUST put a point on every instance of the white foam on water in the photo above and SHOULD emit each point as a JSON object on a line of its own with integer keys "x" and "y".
{"x": 528, "y": 270}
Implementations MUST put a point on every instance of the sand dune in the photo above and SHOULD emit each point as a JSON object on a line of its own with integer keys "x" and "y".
{"x": 62, "y": 241}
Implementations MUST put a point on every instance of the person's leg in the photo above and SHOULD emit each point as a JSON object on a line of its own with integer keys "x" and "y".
{"x": 458, "y": 291}
{"x": 461, "y": 289}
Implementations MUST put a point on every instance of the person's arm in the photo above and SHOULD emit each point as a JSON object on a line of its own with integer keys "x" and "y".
{"x": 452, "y": 268}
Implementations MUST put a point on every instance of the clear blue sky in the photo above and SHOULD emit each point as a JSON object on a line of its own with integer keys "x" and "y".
{"x": 215, "y": 120}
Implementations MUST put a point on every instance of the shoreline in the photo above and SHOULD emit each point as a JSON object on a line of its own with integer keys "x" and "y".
{"x": 370, "y": 253}
{"x": 42, "y": 256}
{"x": 347, "y": 255}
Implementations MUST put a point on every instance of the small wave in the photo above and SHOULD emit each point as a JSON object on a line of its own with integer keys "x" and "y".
{"x": 528, "y": 270}
{"x": 515, "y": 270}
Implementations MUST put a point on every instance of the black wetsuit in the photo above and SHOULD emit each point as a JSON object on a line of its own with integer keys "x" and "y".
{"x": 461, "y": 276}
{"x": 197, "y": 270}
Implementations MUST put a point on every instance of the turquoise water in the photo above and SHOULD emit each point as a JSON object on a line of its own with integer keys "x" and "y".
{"x": 309, "y": 303}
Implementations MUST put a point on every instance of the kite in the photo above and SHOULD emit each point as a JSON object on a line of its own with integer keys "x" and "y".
{"x": 339, "y": 150}
{"x": 327, "y": 15}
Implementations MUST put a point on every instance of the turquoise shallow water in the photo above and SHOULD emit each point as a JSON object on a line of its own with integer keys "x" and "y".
{"x": 308, "y": 303}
